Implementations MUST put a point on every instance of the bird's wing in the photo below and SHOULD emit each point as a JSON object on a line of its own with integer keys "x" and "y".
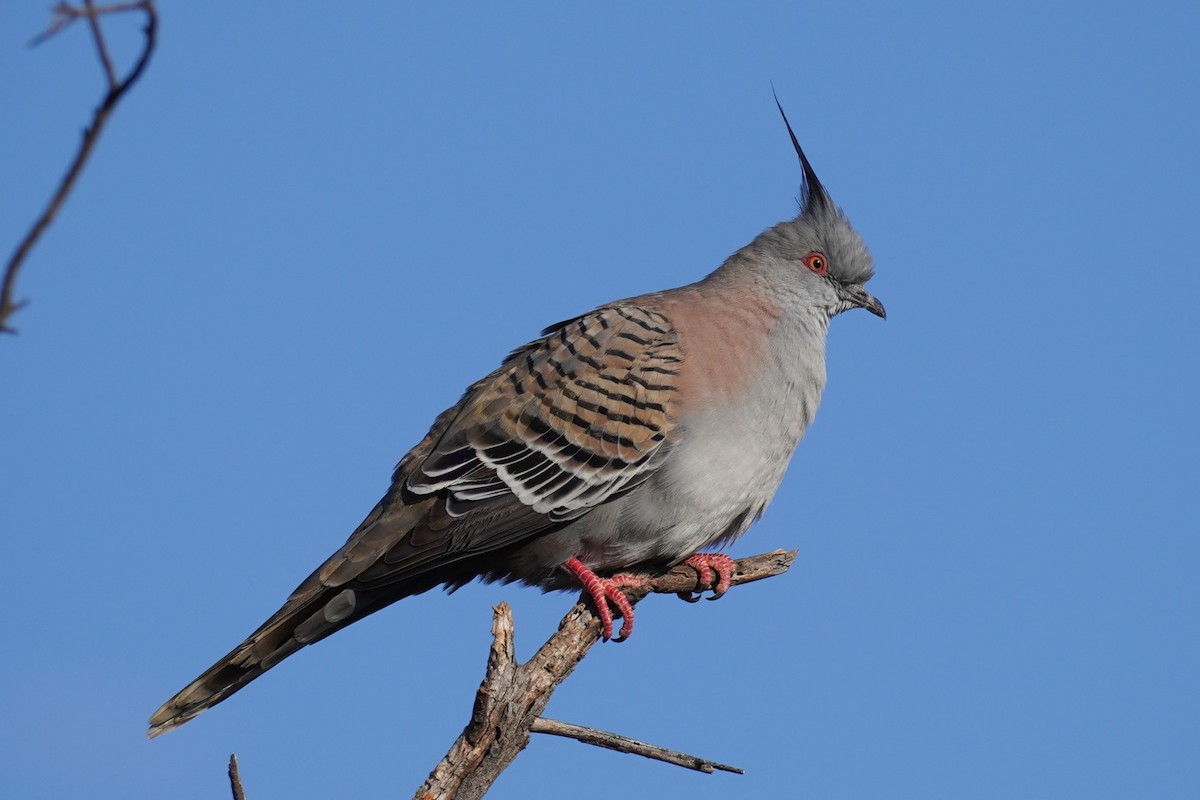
{"x": 567, "y": 422}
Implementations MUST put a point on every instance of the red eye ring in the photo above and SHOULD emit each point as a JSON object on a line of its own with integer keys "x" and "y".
{"x": 817, "y": 263}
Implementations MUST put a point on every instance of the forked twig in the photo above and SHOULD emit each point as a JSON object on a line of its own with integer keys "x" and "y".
{"x": 512, "y": 696}
{"x": 64, "y": 15}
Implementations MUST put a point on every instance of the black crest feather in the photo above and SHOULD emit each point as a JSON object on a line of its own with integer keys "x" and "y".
{"x": 812, "y": 194}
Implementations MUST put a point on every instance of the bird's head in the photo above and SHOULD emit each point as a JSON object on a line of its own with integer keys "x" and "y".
{"x": 819, "y": 254}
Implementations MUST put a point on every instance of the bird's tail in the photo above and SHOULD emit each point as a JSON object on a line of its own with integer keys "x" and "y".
{"x": 350, "y": 585}
{"x": 279, "y": 637}
{"x": 310, "y": 614}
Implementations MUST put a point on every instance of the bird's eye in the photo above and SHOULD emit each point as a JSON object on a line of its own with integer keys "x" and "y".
{"x": 817, "y": 263}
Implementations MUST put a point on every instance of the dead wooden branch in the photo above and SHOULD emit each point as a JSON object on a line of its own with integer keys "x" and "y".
{"x": 235, "y": 778}
{"x": 64, "y": 15}
{"x": 512, "y": 696}
{"x": 623, "y": 744}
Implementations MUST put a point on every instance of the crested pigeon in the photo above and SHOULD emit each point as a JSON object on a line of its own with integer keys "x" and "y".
{"x": 631, "y": 436}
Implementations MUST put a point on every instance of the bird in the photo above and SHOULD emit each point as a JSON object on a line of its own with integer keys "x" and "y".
{"x": 635, "y": 436}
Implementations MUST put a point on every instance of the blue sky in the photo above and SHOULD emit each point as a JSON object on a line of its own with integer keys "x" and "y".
{"x": 311, "y": 226}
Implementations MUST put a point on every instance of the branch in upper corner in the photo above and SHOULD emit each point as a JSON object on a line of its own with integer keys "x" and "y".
{"x": 64, "y": 15}
{"x": 512, "y": 696}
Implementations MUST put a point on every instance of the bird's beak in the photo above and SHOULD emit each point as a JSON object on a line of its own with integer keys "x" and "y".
{"x": 857, "y": 294}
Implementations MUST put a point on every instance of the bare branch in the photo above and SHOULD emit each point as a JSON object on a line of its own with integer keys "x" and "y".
{"x": 512, "y": 696}
{"x": 63, "y": 15}
{"x": 623, "y": 744}
{"x": 235, "y": 778}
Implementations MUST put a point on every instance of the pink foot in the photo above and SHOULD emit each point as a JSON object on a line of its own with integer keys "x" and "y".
{"x": 604, "y": 591}
{"x": 706, "y": 564}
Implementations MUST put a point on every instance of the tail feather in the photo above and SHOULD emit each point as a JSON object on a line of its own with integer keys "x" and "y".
{"x": 263, "y": 649}
{"x": 306, "y": 618}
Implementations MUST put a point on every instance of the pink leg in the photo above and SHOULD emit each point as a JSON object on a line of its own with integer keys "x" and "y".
{"x": 604, "y": 591}
{"x": 706, "y": 564}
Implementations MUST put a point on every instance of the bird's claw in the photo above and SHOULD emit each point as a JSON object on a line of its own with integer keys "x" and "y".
{"x": 604, "y": 591}
{"x": 710, "y": 566}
